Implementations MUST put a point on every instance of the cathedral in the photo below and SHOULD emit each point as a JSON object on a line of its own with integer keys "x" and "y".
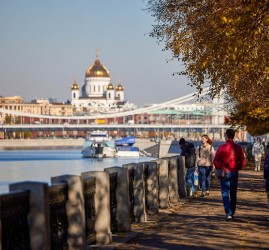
{"x": 98, "y": 94}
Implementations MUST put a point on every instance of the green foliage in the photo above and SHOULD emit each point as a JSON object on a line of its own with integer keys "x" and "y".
{"x": 9, "y": 135}
{"x": 27, "y": 134}
{"x": 18, "y": 135}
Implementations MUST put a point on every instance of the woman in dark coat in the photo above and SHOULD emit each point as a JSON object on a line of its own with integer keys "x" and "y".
{"x": 266, "y": 175}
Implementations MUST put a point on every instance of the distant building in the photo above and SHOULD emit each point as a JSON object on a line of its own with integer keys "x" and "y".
{"x": 36, "y": 107}
{"x": 98, "y": 94}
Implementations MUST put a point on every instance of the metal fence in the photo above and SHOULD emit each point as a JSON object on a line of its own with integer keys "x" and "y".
{"x": 131, "y": 175}
{"x": 143, "y": 182}
{"x": 58, "y": 216}
{"x": 14, "y": 209}
{"x": 89, "y": 191}
{"x": 113, "y": 201}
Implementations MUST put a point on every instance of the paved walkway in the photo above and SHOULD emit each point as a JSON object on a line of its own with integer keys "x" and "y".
{"x": 199, "y": 223}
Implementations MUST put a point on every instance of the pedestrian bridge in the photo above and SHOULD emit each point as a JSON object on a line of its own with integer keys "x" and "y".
{"x": 165, "y": 105}
{"x": 154, "y": 120}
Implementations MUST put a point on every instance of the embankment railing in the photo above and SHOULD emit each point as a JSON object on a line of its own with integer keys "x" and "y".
{"x": 78, "y": 211}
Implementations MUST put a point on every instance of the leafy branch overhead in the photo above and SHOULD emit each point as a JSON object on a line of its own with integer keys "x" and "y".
{"x": 222, "y": 43}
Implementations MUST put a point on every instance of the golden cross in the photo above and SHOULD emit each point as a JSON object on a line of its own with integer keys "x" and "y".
{"x": 97, "y": 53}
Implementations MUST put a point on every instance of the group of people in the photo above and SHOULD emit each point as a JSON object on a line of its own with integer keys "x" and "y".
{"x": 229, "y": 158}
{"x": 199, "y": 161}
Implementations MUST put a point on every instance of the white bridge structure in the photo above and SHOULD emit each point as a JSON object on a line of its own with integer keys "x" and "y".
{"x": 208, "y": 117}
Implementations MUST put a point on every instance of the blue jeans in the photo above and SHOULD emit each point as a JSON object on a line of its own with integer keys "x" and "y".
{"x": 204, "y": 174}
{"x": 229, "y": 191}
{"x": 191, "y": 188}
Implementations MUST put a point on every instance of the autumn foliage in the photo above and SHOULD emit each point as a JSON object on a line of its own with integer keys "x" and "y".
{"x": 223, "y": 44}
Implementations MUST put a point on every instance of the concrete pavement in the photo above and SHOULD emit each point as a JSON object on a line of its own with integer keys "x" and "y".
{"x": 199, "y": 223}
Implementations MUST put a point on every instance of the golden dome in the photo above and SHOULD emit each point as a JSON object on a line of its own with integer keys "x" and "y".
{"x": 119, "y": 88}
{"x": 110, "y": 86}
{"x": 74, "y": 86}
{"x": 97, "y": 70}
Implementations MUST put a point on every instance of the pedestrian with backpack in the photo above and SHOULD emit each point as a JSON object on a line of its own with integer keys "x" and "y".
{"x": 204, "y": 163}
{"x": 188, "y": 151}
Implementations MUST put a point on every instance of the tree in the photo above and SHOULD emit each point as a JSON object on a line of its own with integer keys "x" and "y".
{"x": 27, "y": 134}
{"x": 223, "y": 44}
{"x": 255, "y": 118}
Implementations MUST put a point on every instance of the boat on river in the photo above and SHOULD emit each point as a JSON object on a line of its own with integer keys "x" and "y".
{"x": 98, "y": 144}
{"x": 125, "y": 147}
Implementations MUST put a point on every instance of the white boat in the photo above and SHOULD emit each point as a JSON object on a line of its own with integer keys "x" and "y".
{"x": 127, "y": 151}
{"x": 125, "y": 147}
{"x": 98, "y": 144}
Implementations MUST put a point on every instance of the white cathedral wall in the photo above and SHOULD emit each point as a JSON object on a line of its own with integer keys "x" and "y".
{"x": 96, "y": 86}
{"x": 120, "y": 94}
{"x": 110, "y": 95}
{"x": 74, "y": 95}
{"x": 101, "y": 104}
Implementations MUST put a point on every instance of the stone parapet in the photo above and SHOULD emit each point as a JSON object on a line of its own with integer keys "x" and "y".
{"x": 23, "y": 143}
{"x": 66, "y": 214}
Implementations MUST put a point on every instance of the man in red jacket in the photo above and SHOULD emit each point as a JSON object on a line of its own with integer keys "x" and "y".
{"x": 231, "y": 157}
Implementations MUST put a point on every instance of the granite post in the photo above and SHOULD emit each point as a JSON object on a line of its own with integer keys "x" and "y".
{"x": 163, "y": 183}
{"x": 139, "y": 191}
{"x": 152, "y": 184}
{"x": 39, "y": 213}
{"x": 181, "y": 177}
{"x": 123, "y": 200}
{"x": 75, "y": 210}
{"x": 102, "y": 206}
{"x": 173, "y": 179}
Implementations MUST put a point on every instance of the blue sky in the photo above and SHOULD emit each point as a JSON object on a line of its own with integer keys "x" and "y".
{"x": 46, "y": 44}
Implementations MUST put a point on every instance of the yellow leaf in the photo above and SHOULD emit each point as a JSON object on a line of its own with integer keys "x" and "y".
{"x": 224, "y": 19}
{"x": 234, "y": 56}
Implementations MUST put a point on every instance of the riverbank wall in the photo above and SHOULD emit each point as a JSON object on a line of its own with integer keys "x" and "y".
{"x": 24, "y": 143}
{"x": 166, "y": 148}
{"x": 85, "y": 211}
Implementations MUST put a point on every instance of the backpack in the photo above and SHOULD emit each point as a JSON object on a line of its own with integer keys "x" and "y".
{"x": 190, "y": 156}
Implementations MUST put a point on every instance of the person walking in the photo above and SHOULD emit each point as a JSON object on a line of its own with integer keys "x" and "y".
{"x": 231, "y": 158}
{"x": 257, "y": 152}
{"x": 266, "y": 175}
{"x": 188, "y": 151}
{"x": 204, "y": 163}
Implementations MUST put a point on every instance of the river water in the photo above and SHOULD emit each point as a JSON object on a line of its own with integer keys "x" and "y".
{"x": 42, "y": 164}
